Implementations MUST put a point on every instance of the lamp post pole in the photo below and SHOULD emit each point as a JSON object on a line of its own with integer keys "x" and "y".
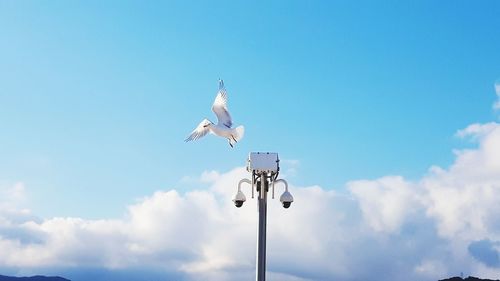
{"x": 265, "y": 169}
{"x": 262, "y": 188}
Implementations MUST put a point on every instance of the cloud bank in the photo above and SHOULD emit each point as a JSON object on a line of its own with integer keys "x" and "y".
{"x": 392, "y": 228}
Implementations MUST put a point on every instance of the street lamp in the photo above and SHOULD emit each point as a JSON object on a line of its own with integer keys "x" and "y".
{"x": 264, "y": 167}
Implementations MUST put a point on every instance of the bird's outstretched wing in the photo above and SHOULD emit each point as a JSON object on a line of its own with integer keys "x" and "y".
{"x": 220, "y": 107}
{"x": 201, "y": 130}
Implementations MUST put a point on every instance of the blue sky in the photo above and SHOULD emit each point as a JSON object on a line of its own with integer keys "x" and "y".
{"x": 97, "y": 97}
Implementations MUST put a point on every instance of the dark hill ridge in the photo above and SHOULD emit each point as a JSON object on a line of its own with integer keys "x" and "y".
{"x": 470, "y": 278}
{"x": 32, "y": 278}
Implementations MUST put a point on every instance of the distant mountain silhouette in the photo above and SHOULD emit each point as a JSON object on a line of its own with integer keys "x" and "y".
{"x": 470, "y": 278}
{"x": 32, "y": 278}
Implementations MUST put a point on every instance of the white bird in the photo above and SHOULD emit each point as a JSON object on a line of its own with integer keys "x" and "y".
{"x": 224, "y": 124}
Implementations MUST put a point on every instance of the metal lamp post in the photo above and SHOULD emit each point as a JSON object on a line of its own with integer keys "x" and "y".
{"x": 264, "y": 168}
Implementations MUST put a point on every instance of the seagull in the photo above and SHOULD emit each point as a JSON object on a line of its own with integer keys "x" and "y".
{"x": 223, "y": 128}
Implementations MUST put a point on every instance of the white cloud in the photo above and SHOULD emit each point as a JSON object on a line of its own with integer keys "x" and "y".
{"x": 432, "y": 269}
{"x": 13, "y": 195}
{"x": 385, "y": 202}
{"x": 497, "y": 90}
{"x": 391, "y": 228}
{"x": 291, "y": 167}
{"x": 209, "y": 176}
{"x": 477, "y": 130}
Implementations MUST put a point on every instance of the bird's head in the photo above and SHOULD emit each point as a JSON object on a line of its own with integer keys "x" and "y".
{"x": 221, "y": 84}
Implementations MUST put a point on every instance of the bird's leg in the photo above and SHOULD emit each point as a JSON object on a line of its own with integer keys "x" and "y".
{"x": 234, "y": 138}
{"x": 230, "y": 143}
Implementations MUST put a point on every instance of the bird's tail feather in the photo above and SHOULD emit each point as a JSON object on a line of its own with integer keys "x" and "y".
{"x": 238, "y": 133}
